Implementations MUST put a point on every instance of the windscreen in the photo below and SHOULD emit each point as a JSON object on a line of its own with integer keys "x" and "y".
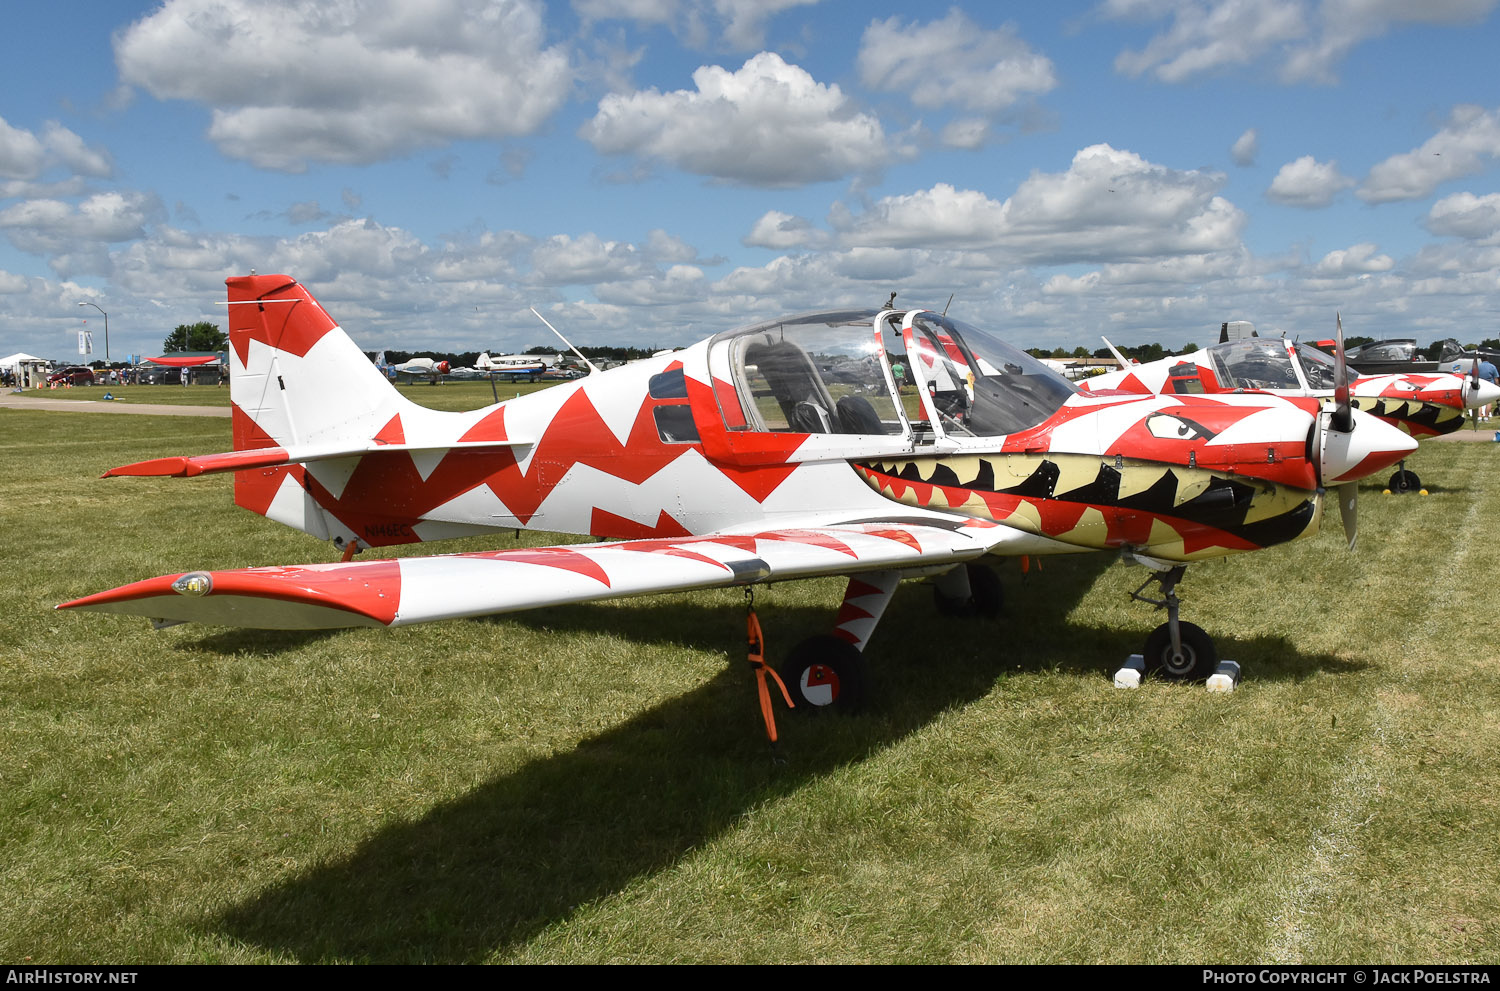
{"x": 979, "y": 385}
{"x": 1317, "y": 366}
{"x": 1256, "y": 364}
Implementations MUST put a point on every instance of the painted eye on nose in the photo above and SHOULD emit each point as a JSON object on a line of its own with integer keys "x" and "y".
{"x": 1169, "y": 427}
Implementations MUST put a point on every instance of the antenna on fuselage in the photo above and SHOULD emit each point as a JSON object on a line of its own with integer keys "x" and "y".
{"x": 593, "y": 369}
{"x": 1124, "y": 362}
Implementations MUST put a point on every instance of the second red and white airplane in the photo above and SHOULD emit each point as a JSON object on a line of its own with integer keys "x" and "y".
{"x": 1420, "y": 404}
{"x": 785, "y": 449}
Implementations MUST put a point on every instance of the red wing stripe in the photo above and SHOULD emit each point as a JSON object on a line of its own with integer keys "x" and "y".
{"x": 901, "y": 536}
{"x": 553, "y": 557}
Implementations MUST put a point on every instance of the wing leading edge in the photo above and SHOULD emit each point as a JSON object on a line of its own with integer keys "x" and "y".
{"x": 401, "y": 591}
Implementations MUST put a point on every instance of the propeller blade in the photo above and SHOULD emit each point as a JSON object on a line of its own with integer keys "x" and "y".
{"x": 1342, "y": 420}
{"x": 1474, "y": 391}
{"x": 1348, "y": 495}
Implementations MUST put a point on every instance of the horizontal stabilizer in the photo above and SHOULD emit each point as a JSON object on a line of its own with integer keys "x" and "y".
{"x": 401, "y": 591}
{"x": 271, "y": 457}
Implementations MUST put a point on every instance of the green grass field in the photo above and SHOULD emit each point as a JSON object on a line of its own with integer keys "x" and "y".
{"x": 590, "y": 784}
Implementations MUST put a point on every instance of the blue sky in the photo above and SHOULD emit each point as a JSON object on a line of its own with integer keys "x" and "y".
{"x": 651, "y": 171}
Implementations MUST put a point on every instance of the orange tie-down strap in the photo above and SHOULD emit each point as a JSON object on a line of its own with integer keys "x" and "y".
{"x": 758, "y": 662}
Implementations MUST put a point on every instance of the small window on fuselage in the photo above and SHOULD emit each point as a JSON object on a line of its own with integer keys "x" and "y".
{"x": 674, "y": 424}
{"x": 668, "y": 385}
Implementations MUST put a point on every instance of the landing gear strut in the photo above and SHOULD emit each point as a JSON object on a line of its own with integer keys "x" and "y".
{"x": 1176, "y": 650}
{"x": 969, "y": 591}
{"x": 827, "y": 673}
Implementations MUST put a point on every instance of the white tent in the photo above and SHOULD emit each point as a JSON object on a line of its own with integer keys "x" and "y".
{"x": 26, "y": 370}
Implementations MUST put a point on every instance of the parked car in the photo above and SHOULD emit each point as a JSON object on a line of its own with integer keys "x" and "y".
{"x": 75, "y": 375}
{"x": 157, "y": 375}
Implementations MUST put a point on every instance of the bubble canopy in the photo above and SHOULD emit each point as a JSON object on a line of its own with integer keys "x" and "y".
{"x": 912, "y": 373}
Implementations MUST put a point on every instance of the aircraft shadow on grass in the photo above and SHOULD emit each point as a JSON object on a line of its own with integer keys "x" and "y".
{"x": 237, "y": 641}
{"x": 491, "y": 869}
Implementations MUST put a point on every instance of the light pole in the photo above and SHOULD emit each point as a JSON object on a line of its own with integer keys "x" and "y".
{"x": 106, "y": 327}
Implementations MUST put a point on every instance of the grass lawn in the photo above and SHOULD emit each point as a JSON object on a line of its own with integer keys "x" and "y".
{"x": 590, "y": 784}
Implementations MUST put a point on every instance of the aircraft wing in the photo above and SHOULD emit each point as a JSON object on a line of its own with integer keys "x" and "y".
{"x": 397, "y": 592}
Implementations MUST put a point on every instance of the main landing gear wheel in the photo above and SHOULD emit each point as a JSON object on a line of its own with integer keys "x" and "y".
{"x": 985, "y": 600}
{"x": 1404, "y": 481}
{"x": 1195, "y": 662}
{"x": 824, "y": 673}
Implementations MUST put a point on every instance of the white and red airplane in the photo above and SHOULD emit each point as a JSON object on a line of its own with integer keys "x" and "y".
{"x": 429, "y": 367}
{"x": 513, "y": 366}
{"x": 781, "y": 450}
{"x": 1420, "y": 404}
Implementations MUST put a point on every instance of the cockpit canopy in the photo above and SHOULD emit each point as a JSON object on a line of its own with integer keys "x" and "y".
{"x": 1270, "y": 364}
{"x": 912, "y": 375}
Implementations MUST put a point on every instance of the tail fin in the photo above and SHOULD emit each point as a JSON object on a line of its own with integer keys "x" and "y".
{"x": 297, "y": 379}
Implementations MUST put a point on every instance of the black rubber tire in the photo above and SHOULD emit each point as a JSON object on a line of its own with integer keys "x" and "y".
{"x": 986, "y": 596}
{"x": 825, "y": 674}
{"x": 1404, "y": 481}
{"x": 1199, "y": 659}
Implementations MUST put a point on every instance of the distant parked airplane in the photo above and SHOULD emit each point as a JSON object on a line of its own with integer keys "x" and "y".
{"x": 515, "y": 366}
{"x": 416, "y": 366}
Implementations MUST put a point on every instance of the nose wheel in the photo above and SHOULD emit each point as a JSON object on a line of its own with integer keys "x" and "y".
{"x": 1175, "y": 650}
{"x": 1404, "y": 481}
{"x": 1193, "y": 658}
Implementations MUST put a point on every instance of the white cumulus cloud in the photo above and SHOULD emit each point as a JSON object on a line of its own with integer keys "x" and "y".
{"x": 782, "y": 231}
{"x": 44, "y": 226}
{"x": 768, "y": 124}
{"x": 1344, "y": 24}
{"x": 740, "y": 24}
{"x": 1308, "y": 183}
{"x": 1109, "y": 205}
{"x": 953, "y": 62}
{"x": 1467, "y": 143}
{"x": 1207, "y": 36}
{"x": 24, "y": 156}
{"x": 1245, "y": 148}
{"x": 291, "y": 82}
{"x": 21, "y": 153}
{"x": 586, "y": 259}
{"x": 1359, "y": 259}
{"x": 1465, "y": 215}
{"x": 1303, "y": 40}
